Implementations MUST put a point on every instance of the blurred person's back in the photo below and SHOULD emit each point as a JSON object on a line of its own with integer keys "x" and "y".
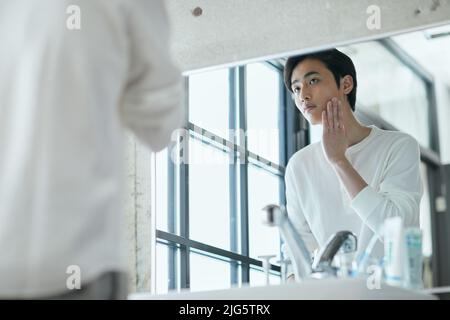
{"x": 64, "y": 98}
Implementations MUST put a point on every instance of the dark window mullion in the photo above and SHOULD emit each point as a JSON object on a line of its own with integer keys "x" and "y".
{"x": 184, "y": 205}
{"x": 243, "y": 176}
{"x": 205, "y": 249}
{"x": 432, "y": 118}
{"x": 284, "y": 136}
{"x": 171, "y": 223}
{"x": 184, "y": 225}
{"x": 284, "y": 139}
{"x": 434, "y": 186}
{"x": 233, "y": 175}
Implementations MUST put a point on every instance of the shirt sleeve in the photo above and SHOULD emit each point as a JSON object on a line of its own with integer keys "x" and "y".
{"x": 296, "y": 215}
{"x": 399, "y": 192}
{"x": 151, "y": 105}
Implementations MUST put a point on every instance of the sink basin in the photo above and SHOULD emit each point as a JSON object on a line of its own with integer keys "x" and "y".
{"x": 311, "y": 289}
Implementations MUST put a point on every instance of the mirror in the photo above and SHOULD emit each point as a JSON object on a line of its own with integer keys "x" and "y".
{"x": 403, "y": 83}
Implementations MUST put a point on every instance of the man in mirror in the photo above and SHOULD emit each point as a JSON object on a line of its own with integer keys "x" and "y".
{"x": 356, "y": 176}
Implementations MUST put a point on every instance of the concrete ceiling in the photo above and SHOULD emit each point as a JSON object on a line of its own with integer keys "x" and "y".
{"x": 210, "y": 34}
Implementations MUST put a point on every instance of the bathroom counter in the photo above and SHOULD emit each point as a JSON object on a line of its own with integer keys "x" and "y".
{"x": 311, "y": 289}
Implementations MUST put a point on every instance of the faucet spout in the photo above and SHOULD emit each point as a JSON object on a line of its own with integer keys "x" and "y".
{"x": 301, "y": 259}
{"x": 343, "y": 241}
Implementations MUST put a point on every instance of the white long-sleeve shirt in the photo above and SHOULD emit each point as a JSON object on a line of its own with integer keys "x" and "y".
{"x": 65, "y": 96}
{"x": 319, "y": 206}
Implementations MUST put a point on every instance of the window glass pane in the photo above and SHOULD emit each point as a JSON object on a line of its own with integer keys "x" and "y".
{"x": 162, "y": 274}
{"x": 263, "y": 189}
{"x": 390, "y": 89}
{"x": 209, "y": 101}
{"x": 161, "y": 176}
{"x": 207, "y": 273}
{"x": 263, "y": 99}
{"x": 258, "y": 277}
{"x": 425, "y": 214}
{"x": 209, "y": 204}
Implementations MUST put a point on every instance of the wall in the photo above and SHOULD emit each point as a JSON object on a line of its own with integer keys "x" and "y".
{"x": 138, "y": 213}
{"x": 234, "y": 31}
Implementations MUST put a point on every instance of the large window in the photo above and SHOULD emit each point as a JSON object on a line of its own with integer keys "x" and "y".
{"x": 227, "y": 165}
{"x": 391, "y": 89}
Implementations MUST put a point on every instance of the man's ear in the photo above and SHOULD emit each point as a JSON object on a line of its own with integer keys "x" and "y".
{"x": 347, "y": 84}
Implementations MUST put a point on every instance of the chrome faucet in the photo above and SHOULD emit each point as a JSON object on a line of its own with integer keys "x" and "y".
{"x": 301, "y": 259}
{"x": 342, "y": 241}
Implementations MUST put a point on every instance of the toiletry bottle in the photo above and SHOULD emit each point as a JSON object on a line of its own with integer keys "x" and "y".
{"x": 413, "y": 259}
{"x": 393, "y": 251}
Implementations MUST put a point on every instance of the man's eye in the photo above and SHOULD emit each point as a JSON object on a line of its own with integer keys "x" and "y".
{"x": 313, "y": 81}
{"x": 296, "y": 90}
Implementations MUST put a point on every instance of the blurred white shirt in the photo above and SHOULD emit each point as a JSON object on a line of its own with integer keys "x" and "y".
{"x": 64, "y": 98}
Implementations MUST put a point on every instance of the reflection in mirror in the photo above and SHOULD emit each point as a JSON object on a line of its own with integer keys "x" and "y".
{"x": 390, "y": 89}
{"x": 403, "y": 84}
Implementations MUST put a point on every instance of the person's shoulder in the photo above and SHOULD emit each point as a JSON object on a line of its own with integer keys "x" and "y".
{"x": 306, "y": 153}
{"x": 395, "y": 136}
{"x": 305, "y": 156}
{"x": 397, "y": 139}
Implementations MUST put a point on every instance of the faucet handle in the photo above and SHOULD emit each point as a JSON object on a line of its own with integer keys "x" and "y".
{"x": 275, "y": 215}
{"x": 343, "y": 241}
{"x": 284, "y": 263}
{"x": 272, "y": 214}
{"x": 266, "y": 265}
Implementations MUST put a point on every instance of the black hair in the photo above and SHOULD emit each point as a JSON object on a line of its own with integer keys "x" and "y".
{"x": 337, "y": 62}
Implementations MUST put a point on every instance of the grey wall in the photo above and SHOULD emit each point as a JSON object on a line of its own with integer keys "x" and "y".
{"x": 232, "y": 32}
{"x": 139, "y": 216}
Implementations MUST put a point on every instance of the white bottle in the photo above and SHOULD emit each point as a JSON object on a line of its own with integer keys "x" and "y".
{"x": 413, "y": 259}
{"x": 394, "y": 251}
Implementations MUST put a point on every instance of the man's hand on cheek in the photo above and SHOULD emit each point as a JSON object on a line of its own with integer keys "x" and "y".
{"x": 334, "y": 140}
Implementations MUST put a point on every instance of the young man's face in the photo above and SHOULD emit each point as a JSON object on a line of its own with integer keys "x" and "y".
{"x": 313, "y": 86}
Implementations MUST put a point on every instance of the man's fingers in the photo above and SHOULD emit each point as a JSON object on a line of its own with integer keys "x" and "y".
{"x": 324, "y": 122}
{"x": 330, "y": 116}
{"x": 335, "y": 115}
{"x": 340, "y": 116}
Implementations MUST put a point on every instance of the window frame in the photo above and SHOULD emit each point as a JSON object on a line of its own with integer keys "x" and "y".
{"x": 178, "y": 235}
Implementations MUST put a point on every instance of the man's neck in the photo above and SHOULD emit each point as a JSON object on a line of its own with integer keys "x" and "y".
{"x": 355, "y": 131}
